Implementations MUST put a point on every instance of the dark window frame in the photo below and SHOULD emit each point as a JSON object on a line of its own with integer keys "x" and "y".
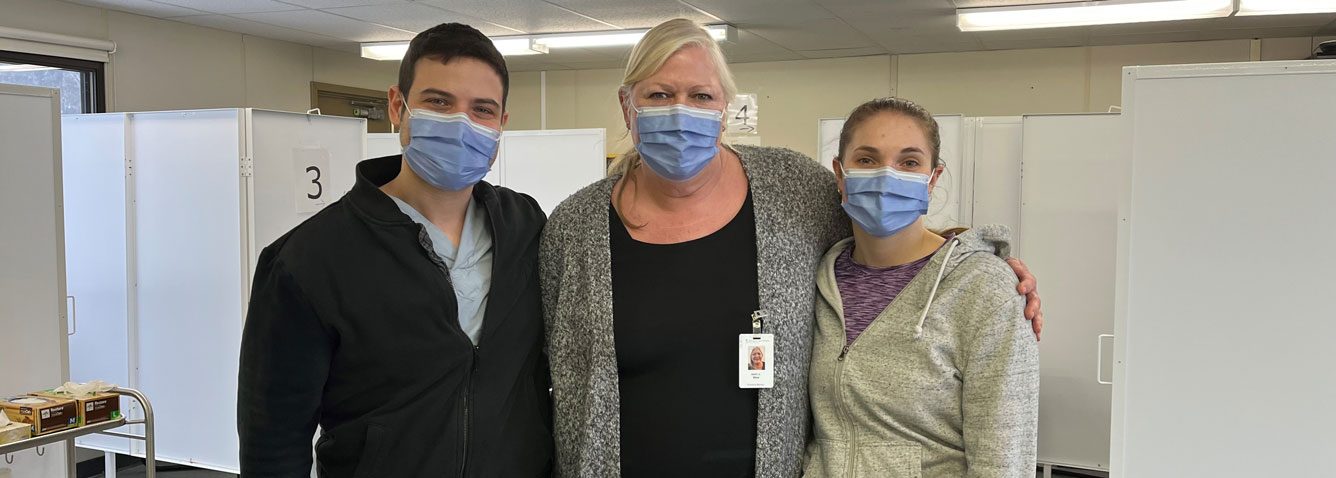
{"x": 94, "y": 75}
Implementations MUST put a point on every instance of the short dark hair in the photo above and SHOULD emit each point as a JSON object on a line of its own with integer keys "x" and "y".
{"x": 446, "y": 42}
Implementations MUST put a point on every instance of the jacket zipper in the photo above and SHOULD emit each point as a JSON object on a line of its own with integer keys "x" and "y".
{"x": 424, "y": 241}
{"x": 468, "y": 400}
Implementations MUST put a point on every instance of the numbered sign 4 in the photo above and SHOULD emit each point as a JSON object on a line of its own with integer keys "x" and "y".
{"x": 310, "y": 167}
{"x": 742, "y": 115}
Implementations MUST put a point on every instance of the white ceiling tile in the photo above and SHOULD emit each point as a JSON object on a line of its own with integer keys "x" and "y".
{"x": 827, "y": 34}
{"x": 330, "y": 25}
{"x": 743, "y": 12}
{"x": 142, "y": 7}
{"x": 1023, "y": 44}
{"x": 783, "y": 55}
{"x": 233, "y": 24}
{"x": 635, "y": 13}
{"x": 930, "y": 43}
{"x": 843, "y": 52}
{"x": 340, "y": 3}
{"x": 528, "y": 16}
{"x": 233, "y": 6}
{"x": 413, "y": 17}
{"x": 595, "y": 65}
{"x": 1165, "y": 37}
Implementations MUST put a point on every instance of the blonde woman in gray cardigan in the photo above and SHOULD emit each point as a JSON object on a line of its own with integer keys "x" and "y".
{"x": 923, "y": 363}
{"x": 650, "y": 277}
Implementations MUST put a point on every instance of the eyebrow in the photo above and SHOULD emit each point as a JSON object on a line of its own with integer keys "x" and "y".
{"x": 451, "y": 97}
{"x": 870, "y": 149}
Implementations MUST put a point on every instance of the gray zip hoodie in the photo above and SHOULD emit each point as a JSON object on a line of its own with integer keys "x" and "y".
{"x": 944, "y": 383}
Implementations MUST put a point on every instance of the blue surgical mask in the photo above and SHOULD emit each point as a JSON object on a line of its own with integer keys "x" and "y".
{"x": 678, "y": 141}
{"x": 884, "y": 201}
{"x": 449, "y": 151}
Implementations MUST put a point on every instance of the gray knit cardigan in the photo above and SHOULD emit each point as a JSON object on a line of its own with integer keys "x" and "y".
{"x": 798, "y": 217}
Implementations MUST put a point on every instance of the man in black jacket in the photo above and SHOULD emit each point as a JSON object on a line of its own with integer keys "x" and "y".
{"x": 405, "y": 318}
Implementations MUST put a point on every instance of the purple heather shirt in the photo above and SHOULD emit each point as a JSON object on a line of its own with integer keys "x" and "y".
{"x": 866, "y": 291}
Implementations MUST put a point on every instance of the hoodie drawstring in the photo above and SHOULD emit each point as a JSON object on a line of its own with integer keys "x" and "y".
{"x": 918, "y": 331}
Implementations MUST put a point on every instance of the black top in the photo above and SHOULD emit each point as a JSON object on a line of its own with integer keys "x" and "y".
{"x": 353, "y": 325}
{"x": 678, "y": 310}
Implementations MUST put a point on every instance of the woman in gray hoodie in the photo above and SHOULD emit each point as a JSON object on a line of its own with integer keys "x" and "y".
{"x": 923, "y": 364}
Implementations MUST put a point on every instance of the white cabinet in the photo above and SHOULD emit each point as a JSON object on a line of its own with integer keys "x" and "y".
{"x": 995, "y": 177}
{"x": 1224, "y": 318}
{"x": 206, "y": 191}
{"x": 32, "y": 259}
{"x": 1069, "y": 207}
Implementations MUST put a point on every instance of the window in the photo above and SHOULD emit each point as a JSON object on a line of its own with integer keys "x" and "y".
{"x": 80, "y": 82}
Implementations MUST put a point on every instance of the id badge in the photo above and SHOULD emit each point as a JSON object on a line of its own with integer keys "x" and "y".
{"x": 756, "y": 361}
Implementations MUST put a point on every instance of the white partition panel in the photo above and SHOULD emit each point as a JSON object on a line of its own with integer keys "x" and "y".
{"x": 1225, "y": 321}
{"x": 301, "y": 164}
{"x": 382, "y": 144}
{"x": 32, "y": 261}
{"x": 952, "y": 188}
{"x": 1069, "y": 207}
{"x": 190, "y": 279}
{"x": 96, "y": 268}
{"x": 996, "y": 177}
{"x": 550, "y": 165}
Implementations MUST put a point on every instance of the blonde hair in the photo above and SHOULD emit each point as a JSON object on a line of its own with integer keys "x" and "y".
{"x": 651, "y": 53}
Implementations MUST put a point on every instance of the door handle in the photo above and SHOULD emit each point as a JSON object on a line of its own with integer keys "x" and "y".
{"x": 1099, "y": 359}
{"x": 74, "y": 315}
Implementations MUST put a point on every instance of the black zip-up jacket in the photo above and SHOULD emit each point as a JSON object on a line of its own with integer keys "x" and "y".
{"x": 353, "y": 325}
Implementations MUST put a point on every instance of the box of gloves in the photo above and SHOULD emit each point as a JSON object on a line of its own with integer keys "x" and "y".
{"x": 95, "y": 408}
{"x": 95, "y": 401}
{"x": 43, "y": 415}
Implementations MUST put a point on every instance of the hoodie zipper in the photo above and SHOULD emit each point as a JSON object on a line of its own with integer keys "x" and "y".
{"x": 844, "y": 413}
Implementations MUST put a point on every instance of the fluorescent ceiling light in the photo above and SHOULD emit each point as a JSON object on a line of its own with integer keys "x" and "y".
{"x": 1285, "y": 7}
{"x": 539, "y": 44}
{"x": 508, "y": 46}
{"x": 618, "y": 37}
{"x": 1089, "y": 13}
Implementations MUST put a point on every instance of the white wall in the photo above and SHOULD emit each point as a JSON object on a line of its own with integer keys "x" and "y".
{"x": 794, "y": 94}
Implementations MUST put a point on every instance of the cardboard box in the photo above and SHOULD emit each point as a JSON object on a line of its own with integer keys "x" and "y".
{"x": 44, "y": 415}
{"x": 93, "y": 409}
{"x": 12, "y": 432}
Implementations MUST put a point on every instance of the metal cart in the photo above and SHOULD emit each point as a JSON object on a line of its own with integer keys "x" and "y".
{"x": 104, "y": 428}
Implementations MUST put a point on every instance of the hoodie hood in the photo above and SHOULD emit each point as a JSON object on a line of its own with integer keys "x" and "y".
{"x": 992, "y": 239}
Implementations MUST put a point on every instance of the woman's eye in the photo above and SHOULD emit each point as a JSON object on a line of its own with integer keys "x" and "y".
{"x": 658, "y": 95}
{"x": 703, "y": 97}
{"x": 911, "y": 163}
{"x": 865, "y": 161}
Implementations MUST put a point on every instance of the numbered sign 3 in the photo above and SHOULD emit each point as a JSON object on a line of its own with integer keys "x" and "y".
{"x": 310, "y": 168}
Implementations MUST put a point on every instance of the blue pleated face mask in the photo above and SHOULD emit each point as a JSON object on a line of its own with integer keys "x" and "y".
{"x": 885, "y": 200}
{"x": 449, "y": 151}
{"x": 678, "y": 141}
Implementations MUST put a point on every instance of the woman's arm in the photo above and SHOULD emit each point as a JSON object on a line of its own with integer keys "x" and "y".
{"x": 1001, "y": 395}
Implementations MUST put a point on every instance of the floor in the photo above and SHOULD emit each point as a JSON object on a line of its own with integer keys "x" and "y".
{"x": 165, "y": 471}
